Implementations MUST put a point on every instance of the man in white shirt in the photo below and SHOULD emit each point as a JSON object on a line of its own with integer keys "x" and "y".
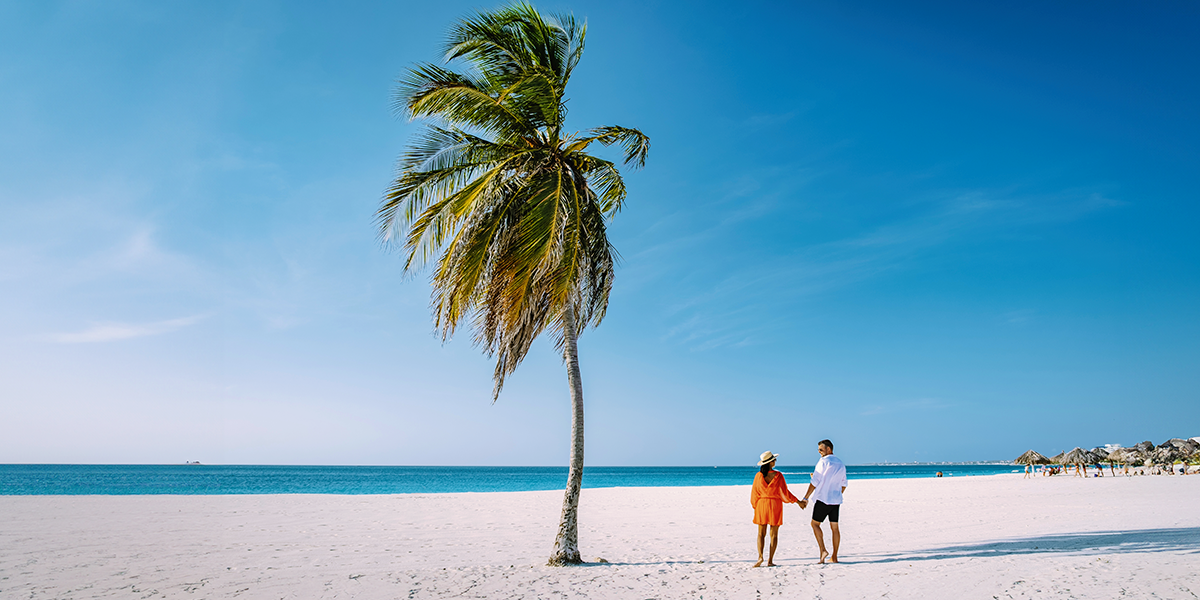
{"x": 828, "y": 481}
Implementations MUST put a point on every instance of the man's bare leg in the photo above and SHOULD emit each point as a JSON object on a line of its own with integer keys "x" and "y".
{"x": 837, "y": 541}
{"x": 762, "y": 533}
{"x": 816, "y": 525}
{"x": 774, "y": 544}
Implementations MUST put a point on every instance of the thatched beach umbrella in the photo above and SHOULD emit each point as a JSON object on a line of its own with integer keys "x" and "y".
{"x": 1124, "y": 456}
{"x": 1057, "y": 459}
{"x": 1032, "y": 458}
{"x": 1114, "y": 458}
{"x": 1078, "y": 456}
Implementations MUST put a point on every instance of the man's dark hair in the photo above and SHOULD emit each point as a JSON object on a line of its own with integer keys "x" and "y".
{"x": 827, "y": 444}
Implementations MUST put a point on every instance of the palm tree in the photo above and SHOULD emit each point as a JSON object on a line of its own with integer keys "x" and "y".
{"x": 508, "y": 208}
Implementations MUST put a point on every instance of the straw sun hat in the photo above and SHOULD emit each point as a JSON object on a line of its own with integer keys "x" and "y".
{"x": 766, "y": 458}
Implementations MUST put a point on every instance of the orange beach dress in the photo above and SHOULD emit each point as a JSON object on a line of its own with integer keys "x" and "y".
{"x": 768, "y": 498}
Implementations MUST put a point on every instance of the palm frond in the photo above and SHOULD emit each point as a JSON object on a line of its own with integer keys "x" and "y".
{"x": 635, "y": 143}
{"x": 511, "y": 214}
{"x": 431, "y": 91}
{"x": 604, "y": 176}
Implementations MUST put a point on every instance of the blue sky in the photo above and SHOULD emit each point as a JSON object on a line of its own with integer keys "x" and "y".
{"x": 928, "y": 231}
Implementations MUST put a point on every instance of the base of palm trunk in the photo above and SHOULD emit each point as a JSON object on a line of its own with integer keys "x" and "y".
{"x": 565, "y": 559}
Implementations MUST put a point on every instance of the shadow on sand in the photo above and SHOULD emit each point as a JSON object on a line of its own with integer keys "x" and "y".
{"x": 1182, "y": 539}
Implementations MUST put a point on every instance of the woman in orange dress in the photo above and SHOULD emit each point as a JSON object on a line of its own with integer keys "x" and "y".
{"x": 767, "y": 497}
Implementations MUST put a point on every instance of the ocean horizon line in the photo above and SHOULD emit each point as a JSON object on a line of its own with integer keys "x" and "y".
{"x": 411, "y": 466}
{"x": 200, "y": 479}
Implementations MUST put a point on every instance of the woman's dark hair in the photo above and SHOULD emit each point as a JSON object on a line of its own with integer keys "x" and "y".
{"x": 766, "y": 468}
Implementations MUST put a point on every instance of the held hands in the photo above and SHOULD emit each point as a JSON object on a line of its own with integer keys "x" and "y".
{"x": 803, "y": 503}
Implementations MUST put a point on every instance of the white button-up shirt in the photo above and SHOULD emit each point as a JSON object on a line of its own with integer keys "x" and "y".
{"x": 829, "y": 477}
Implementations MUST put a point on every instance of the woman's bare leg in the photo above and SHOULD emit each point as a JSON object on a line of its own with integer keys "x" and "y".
{"x": 774, "y": 544}
{"x": 762, "y": 533}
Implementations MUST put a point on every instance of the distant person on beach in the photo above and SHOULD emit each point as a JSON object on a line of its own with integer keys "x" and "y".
{"x": 767, "y": 497}
{"x": 828, "y": 483}
{"x": 1028, "y": 471}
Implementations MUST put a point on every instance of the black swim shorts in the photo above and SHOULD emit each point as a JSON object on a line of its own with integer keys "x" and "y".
{"x": 822, "y": 510}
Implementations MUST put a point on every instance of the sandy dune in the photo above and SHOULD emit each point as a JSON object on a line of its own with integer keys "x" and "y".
{"x": 978, "y": 537}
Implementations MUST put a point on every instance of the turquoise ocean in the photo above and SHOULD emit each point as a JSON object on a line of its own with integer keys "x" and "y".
{"x": 267, "y": 479}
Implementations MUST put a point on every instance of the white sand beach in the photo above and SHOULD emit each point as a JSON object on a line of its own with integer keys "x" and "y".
{"x": 972, "y": 537}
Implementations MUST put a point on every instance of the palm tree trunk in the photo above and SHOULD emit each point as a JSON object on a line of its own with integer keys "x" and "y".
{"x": 566, "y": 543}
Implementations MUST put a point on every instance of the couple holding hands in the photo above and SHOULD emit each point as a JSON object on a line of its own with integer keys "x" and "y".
{"x": 770, "y": 492}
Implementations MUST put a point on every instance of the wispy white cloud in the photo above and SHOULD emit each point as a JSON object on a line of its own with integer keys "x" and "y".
{"x": 720, "y": 314}
{"x": 1017, "y": 317}
{"x": 110, "y": 332}
{"x": 60, "y": 239}
{"x": 969, "y": 214}
{"x": 707, "y": 331}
